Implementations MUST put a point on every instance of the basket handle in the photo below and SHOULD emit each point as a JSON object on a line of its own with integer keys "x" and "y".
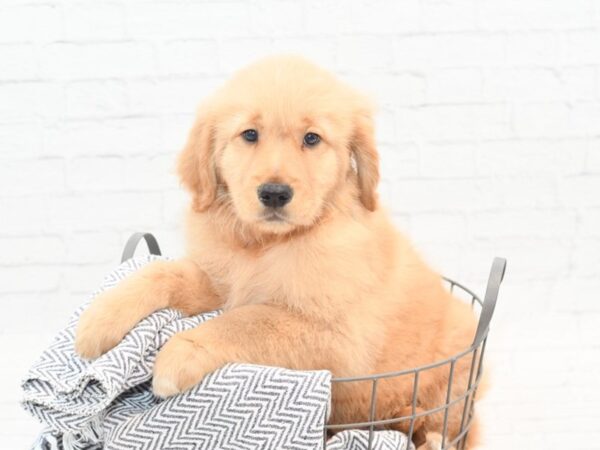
{"x": 489, "y": 301}
{"x": 133, "y": 242}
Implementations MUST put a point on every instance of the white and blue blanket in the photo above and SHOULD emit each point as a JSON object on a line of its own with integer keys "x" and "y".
{"x": 108, "y": 403}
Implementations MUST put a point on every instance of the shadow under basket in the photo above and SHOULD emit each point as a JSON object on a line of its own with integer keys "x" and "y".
{"x": 472, "y": 356}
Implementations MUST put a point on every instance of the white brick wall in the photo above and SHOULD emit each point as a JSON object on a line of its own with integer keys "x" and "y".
{"x": 489, "y": 129}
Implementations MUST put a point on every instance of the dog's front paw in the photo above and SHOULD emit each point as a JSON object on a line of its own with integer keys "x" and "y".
{"x": 101, "y": 326}
{"x": 182, "y": 363}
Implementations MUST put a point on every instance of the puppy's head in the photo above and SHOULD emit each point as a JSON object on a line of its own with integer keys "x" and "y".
{"x": 278, "y": 143}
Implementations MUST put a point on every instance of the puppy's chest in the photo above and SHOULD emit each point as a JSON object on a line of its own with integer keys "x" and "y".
{"x": 272, "y": 276}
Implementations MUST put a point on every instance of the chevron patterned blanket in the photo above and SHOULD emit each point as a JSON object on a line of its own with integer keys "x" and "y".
{"x": 108, "y": 403}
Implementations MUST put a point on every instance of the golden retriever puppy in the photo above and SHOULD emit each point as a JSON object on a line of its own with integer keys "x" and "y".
{"x": 285, "y": 233}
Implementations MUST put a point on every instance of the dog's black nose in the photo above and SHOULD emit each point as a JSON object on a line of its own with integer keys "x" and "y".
{"x": 274, "y": 195}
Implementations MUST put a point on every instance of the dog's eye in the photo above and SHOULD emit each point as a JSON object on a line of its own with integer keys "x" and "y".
{"x": 250, "y": 135}
{"x": 311, "y": 139}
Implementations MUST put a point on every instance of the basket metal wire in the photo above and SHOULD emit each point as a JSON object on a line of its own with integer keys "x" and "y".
{"x": 465, "y": 398}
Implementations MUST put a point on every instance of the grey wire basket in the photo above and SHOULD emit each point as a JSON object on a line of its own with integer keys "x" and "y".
{"x": 465, "y": 399}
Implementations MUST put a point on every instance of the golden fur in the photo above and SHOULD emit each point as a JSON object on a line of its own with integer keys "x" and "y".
{"x": 332, "y": 285}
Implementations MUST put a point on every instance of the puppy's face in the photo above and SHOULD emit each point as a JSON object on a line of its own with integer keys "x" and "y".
{"x": 277, "y": 141}
{"x": 281, "y": 163}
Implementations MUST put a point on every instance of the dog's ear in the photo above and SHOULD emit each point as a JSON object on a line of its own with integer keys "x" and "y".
{"x": 196, "y": 164}
{"x": 367, "y": 160}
